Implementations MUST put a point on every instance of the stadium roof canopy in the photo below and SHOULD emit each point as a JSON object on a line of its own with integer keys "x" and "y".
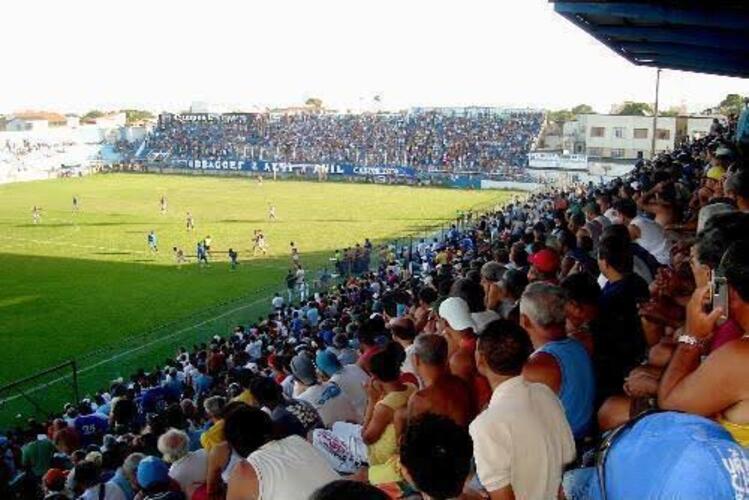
{"x": 709, "y": 36}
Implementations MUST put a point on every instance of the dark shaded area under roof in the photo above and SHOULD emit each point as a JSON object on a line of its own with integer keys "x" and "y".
{"x": 704, "y": 37}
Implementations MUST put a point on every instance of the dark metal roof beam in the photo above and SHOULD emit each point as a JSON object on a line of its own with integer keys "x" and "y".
{"x": 738, "y": 56}
{"x": 647, "y": 12}
{"x": 692, "y": 36}
{"x": 712, "y": 65}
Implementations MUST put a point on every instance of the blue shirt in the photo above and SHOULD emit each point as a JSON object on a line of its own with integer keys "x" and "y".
{"x": 577, "y": 389}
{"x": 203, "y": 383}
{"x": 154, "y": 400}
{"x": 91, "y": 427}
{"x": 313, "y": 316}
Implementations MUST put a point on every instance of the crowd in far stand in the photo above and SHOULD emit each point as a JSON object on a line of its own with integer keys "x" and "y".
{"x": 586, "y": 342}
{"x": 486, "y": 142}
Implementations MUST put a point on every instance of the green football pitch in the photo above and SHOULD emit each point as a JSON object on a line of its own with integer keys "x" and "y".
{"x": 84, "y": 285}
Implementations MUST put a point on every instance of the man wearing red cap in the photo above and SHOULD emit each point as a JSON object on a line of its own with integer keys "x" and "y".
{"x": 54, "y": 485}
{"x": 544, "y": 266}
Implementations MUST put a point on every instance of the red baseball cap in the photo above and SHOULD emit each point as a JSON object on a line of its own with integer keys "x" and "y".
{"x": 546, "y": 260}
{"x": 54, "y": 479}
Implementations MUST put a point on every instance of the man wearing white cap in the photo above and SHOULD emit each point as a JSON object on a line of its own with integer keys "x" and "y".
{"x": 457, "y": 326}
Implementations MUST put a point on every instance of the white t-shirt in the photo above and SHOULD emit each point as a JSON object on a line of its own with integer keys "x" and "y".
{"x": 277, "y": 302}
{"x": 290, "y": 469}
{"x": 351, "y": 379}
{"x": 331, "y": 403}
{"x": 652, "y": 238}
{"x": 522, "y": 439}
{"x": 111, "y": 492}
{"x": 482, "y": 319}
{"x": 190, "y": 471}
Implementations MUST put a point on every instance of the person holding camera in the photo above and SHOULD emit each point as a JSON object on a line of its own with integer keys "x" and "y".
{"x": 716, "y": 387}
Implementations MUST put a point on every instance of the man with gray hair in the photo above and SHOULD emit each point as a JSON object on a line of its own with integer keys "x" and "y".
{"x": 214, "y": 409}
{"x": 187, "y": 468}
{"x": 559, "y": 362}
{"x": 125, "y": 478}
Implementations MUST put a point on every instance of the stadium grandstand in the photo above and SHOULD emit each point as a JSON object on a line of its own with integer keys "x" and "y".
{"x": 585, "y": 342}
{"x": 490, "y": 141}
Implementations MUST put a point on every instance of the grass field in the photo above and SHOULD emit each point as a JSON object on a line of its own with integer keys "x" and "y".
{"x": 78, "y": 282}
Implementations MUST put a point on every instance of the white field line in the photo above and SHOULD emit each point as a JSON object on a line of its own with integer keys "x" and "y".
{"x": 132, "y": 350}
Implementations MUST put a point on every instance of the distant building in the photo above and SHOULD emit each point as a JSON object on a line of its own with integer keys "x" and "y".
{"x": 111, "y": 120}
{"x": 628, "y": 137}
{"x": 34, "y": 121}
{"x": 73, "y": 121}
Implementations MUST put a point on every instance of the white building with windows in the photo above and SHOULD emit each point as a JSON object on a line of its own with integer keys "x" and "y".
{"x": 628, "y": 137}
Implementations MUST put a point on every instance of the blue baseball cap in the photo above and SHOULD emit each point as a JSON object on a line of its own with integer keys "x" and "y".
{"x": 328, "y": 363}
{"x": 152, "y": 471}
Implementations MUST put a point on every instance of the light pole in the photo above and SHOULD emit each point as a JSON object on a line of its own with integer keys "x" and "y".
{"x": 655, "y": 114}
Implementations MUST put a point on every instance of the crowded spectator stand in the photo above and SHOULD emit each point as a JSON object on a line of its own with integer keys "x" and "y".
{"x": 589, "y": 338}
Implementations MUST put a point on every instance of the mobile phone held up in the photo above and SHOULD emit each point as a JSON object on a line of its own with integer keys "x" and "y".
{"x": 719, "y": 295}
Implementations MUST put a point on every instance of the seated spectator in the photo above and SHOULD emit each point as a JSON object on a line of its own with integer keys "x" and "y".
{"x": 342, "y": 349}
{"x": 436, "y": 456}
{"x": 522, "y": 441}
{"x": 350, "y": 378}
{"x": 513, "y": 283}
{"x": 643, "y": 231}
{"x": 621, "y": 345}
{"x": 326, "y": 397}
{"x": 90, "y": 425}
{"x": 245, "y": 377}
{"x": 690, "y": 386}
{"x": 86, "y": 483}
{"x": 443, "y": 393}
{"x": 154, "y": 481}
{"x": 582, "y": 308}
{"x": 737, "y": 188}
{"x": 288, "y": 468}
{"x": 457, "y": 326}
{"x": 491, "y": 277}
{"x": 214, "y": 409}
{"x": 188, "y": 468}
{"x": 386, "y": 395}
{"x": 472, "y": 292}
{"x": 404, "y": 332}
{"x": 289, "y": 416}
{"x": 126, "y": 476}
{"x": 544, "y": 266}
{"x": 559, "y": 362}
{"x": 53, "y": 485}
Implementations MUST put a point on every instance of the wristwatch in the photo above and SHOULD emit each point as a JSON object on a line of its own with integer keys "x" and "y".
{"x": 690, "y": 340}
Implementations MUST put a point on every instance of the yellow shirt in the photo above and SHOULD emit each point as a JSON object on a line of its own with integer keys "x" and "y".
{"x": 381, "y": 450}
{"x": 739, "y": 432}
{"x": 213, "y": 436}
{"x": 247, "y": 398}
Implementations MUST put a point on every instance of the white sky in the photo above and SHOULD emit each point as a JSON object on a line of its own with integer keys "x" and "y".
{"x": 75, "y": 55}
